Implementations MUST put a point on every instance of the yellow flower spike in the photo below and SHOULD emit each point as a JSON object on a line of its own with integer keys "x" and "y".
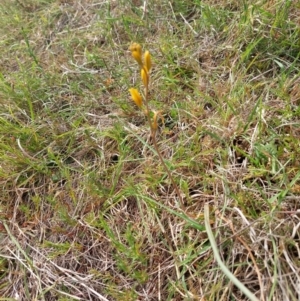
{"x": 147, "y": 59}
{"x": 145, "y": 76}
{"x": 136, "y": 52}
{"x": 136, "y": 97}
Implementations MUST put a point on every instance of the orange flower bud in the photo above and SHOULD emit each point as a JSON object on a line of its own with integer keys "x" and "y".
{"x": 156, "y": 116}
{"x": 136, "y": 97}
{"x": 147, "y": 59}
{"x": 145, "y": 76}
{"x": 136, "y": 52}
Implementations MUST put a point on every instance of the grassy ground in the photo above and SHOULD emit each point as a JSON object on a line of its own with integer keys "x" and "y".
{"x": 87, "y": 211}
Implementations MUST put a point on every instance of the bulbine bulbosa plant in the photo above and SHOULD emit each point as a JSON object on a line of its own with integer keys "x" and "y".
{"x": 153, "y": 117}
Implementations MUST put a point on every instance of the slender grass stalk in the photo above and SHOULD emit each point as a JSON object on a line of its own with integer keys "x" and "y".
{"x": 30, "y": 265}
{"x": 222, "y": 266}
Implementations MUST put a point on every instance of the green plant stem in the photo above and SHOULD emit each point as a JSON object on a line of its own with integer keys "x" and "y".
{"x": 168, "y": 172}
{"x": 153, "y": 136}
